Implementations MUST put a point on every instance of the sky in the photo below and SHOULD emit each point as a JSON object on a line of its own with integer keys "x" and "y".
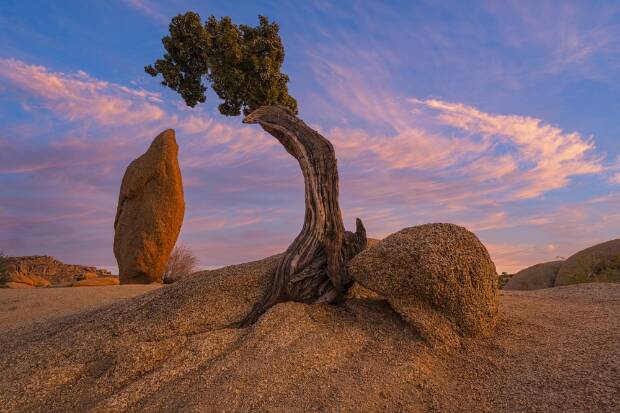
{"x": 500, "y": 116}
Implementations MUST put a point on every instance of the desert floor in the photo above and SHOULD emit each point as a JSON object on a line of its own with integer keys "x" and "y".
{"x": 554, "y": 350}
{"x": 24, "y": 305}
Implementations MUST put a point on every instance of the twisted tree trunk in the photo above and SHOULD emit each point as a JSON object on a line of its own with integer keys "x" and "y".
{"x": 313, "y": 268}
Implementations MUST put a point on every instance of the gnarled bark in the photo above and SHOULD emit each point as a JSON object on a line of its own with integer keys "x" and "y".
{"x": 313, "y": 268}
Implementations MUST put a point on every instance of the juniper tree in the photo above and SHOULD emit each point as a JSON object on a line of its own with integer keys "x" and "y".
{"x": 242, "y": 65}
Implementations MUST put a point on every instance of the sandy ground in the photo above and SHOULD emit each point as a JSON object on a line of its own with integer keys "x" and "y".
{"x": 175, "y": 349}
{"x": 19, "y": 306}
{"x": 555, "y": 350}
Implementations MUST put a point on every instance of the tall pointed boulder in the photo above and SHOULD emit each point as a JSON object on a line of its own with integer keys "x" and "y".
{"x": 149, "y": 213}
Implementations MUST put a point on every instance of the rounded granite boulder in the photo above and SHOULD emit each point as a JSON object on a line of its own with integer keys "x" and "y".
{"x": 536, "y": 277}
{"x": 438, "y": 277}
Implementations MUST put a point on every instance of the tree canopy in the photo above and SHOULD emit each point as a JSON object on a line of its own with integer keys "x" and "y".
{"x": 241, "y": 63}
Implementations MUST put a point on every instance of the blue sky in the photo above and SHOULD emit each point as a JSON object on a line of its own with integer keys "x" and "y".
{"x": 499, "y": 116}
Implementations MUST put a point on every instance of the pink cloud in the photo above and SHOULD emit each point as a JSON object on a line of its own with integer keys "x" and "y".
{"x": 359, "y": 92}
{"x": 511, "y": 257}
{"x": 508, "y": 156}
{"x": 78, "y": 96}
{"x": 468, "y": 168}
{"x": 214, "y": 142}
{"x": 84, "y": 99}
{"x": 411, "y": 147}
{"x": 219, "y": 219}
{"x": 244, "y": 191}
{"x": 72, "y": 175}
{"x": 548, "y": 155}
{"x": 445, "y": 161}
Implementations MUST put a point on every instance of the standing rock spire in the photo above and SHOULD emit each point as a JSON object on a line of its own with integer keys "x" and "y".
{"x": 149, "y": 213}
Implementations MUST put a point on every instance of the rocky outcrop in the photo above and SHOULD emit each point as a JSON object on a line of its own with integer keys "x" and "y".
{"x": 11, "y": 284}
{"x": 599, "y": 263}
{"x": 149, "y": 213}
{"x": 44, "y": 271}
{"x": 87, "y": 276}
{"x": 536, "y": 277}
{"x": 439, "y": 277}
{"x": 29, "y": 280}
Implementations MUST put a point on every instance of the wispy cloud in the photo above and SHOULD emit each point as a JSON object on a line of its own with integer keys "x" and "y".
{"x": 416, "y": 161}
{"x": 509, "y": 156}
{"x": 78, "y": 96}
{"x": 148, "y": 8}
{"x": 430, "y": 160}
{"x": 84, "y": 100}
{"x": 77, "y": 166}
{"x": 558, "y": 231}
{"x": 569, "y": 35}
{"x": 548, "y": 156}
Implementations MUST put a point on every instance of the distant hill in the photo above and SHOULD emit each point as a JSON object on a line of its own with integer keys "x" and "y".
{"x": 599, "y": 263}
{"x": 45, "y": 271}
{"x": 535, "y": 277}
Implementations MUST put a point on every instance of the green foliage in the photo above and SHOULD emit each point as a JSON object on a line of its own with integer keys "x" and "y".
{"x": 3, "y": 268}
{"x": 241, "y": 63}
{"x": 503, "y": 279}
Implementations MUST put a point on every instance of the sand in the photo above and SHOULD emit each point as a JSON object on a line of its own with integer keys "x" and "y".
{"x": 36, "y": 304}
{"x": 555, "y": 350}
{"x": 176, "y": 349}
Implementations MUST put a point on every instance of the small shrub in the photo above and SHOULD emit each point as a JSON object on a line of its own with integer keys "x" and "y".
{"x": 182, "y": 262}
{"x": 503, "y": 279}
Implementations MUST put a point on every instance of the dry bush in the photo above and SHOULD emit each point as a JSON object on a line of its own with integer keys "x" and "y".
{"x": 182, "y": 262}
